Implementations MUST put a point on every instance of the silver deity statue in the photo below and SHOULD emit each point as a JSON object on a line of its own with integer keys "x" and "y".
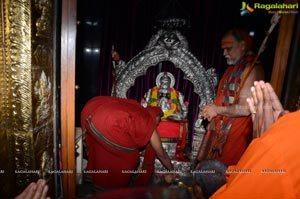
{"x": 167, "y": 98}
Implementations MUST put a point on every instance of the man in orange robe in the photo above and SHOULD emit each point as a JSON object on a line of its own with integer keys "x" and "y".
{"x": 116, "y": 130}
{"x": 230, "y": 128}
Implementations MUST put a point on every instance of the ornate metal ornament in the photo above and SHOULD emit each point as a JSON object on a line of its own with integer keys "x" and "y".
{"x": 169, "y": 45}
{"x": 26, "y": 97}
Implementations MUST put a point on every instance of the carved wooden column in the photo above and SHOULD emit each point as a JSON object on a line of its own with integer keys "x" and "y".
{"x": 282, "y": 49}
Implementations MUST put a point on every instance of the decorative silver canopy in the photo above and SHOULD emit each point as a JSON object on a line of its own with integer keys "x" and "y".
{"x": 169, "y": 45}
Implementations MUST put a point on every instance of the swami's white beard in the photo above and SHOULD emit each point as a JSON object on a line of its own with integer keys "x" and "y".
{"x": 231, "y": 61}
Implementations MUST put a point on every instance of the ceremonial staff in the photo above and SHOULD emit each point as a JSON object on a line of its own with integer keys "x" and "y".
{"x": 274, "y": 20}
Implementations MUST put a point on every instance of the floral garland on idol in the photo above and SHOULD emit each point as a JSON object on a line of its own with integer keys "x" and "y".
{"x": 173, "y": 101}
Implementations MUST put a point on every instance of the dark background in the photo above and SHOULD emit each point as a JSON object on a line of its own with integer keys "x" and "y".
{"x": 129, "y": 25}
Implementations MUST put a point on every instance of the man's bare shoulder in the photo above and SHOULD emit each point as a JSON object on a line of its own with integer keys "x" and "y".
{"x": 257, "y": 71}
{"x": 257, "y": 66}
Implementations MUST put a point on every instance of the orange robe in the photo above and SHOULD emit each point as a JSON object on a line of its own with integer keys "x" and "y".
{"x": 269, "y": 168}
{"x": 240, "y": 133}
{"x": 239, "y": 136}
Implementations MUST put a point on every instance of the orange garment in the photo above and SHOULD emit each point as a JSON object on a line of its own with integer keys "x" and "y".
{"x": 239, "y": 135}
{"x": 269, "y": 168}
{"x": 237, "y": 141}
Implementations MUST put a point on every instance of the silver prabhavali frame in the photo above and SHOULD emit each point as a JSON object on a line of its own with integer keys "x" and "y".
{"x": 171, "y": 45}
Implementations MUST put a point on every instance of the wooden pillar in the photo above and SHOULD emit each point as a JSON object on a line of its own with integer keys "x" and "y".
{"x": 282, "y": 50}
{"x": 68, "y": 45}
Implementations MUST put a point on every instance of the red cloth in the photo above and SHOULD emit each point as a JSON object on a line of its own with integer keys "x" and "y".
{"x": 272, "y": 164}
{"x": 123, "y": 122}
{"x": 143, "y": 179}
{"x": 169, "y": 129}
{"x": 175, "y": 129}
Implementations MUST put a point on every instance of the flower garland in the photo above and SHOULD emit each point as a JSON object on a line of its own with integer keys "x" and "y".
{"x": 173, "y": 101}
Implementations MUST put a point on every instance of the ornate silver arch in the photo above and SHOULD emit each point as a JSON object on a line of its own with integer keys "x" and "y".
{"x": 169, "y": 45}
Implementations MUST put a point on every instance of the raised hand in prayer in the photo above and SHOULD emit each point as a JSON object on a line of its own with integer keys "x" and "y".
{"x": 34, "y": 190}
{"x": 264, "y": 106}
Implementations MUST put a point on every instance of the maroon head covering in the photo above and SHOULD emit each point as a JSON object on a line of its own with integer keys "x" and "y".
{"x": 122, "y": 121}
{"x": 154, "y": 111}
